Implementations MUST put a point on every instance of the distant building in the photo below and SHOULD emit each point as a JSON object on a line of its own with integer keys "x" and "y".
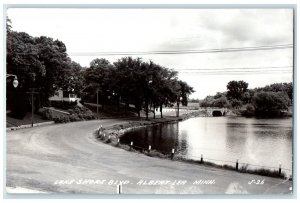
{"x": 60, "y": 95}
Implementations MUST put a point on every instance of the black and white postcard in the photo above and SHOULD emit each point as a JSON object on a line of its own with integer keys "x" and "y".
{"x": 149, "y": 100}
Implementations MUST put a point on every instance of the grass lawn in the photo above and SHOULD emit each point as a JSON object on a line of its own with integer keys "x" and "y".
{"x": 13, "y": 122}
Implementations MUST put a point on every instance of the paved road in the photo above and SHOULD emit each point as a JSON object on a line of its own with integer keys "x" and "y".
{"x": 66, "y": 158}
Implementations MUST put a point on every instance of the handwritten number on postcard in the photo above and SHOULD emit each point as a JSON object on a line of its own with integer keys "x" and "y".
{"x": 257, "y": 182}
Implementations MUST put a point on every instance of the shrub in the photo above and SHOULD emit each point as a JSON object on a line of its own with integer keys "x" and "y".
{"x": 47, "y": 115}
{"x": 74, "y": 117}
{"x": 76, "y": 114}
{"x": 250, "y": 111}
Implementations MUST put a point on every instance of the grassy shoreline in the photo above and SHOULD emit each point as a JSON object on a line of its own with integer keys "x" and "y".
{"x": 111, "y": 135}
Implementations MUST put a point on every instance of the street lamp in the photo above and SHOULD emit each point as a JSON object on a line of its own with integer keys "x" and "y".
{"x": 147, "y": 95}
{"x": 15, "y": 82}
{"x": 178, "y": 103}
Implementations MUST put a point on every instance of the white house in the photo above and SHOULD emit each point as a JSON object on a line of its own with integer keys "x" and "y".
{"x": 60, "y": 95}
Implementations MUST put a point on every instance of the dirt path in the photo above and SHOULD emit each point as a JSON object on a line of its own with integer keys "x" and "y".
{"x": 66, "y": 158}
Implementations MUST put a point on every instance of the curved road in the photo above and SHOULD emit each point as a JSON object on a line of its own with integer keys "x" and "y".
{"x": 65, "y": 158}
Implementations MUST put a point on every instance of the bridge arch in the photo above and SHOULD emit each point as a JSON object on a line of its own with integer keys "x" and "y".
{"x": 217, "y": 113}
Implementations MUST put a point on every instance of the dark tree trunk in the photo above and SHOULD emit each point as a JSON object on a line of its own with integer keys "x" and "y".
{"x": 147, "y": 109}
{"x": 160, "y": 108}
{"x": 118, "y": 105}
{"x": 177, "y": 109}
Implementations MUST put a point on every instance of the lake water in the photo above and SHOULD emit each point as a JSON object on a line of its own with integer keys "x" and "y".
{"x": 262, "y": 142}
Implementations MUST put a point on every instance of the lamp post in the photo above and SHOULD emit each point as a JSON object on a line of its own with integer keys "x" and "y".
{"x": 15, "y": 82}
{"x": 178, "y": 103}
{"x": 32, "y": 92}
{"x": 32, "y": 104}
{"x": 147, "y": 99}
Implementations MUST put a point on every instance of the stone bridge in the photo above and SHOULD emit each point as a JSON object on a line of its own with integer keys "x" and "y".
{"x": 215, "y": 111}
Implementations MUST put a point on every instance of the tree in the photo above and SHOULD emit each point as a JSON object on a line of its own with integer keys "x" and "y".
{"x": 162, "y": 85}
{"x": 219, "y": 95}
{"x": 235, "y": 103}
{"x": 236, "y": 89}
{"x": 207, "y": 101}
{"x": 166, "y": 92}
{"x": 98, "y": 78}
{"x": 183, "y": 90}
{"x": 39, "y": 62}
{"x": 266, "y": 102}
{"x": 132, "y": 81}
{"x": 221, "y": 102}
{"x": 8, "y": 25}
{"x": 280, "y": 87}
{"x": 246, "y": 97}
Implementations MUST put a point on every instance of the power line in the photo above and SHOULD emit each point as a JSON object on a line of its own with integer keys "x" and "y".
{"x": 257, "y": 48}
{"x": 240, "y": 68}
{"x": 237, "y": 73}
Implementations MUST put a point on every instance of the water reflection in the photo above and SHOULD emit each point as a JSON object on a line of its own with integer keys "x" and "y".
{"x": 266, "y": 142}
{"x": 237, "y": 137}
{"x": 160, "y": 137}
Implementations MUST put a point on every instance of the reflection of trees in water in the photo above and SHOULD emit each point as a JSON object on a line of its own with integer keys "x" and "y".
{"x": 279, "y": 133}
{"x": 168, "y": 136}
{"x": 146, "y": 137}
{"x": 161, "y": 137}
{"x": 181, "y": 144}
{"x": 160, "y": 132}
{"x": 236, "y": 135}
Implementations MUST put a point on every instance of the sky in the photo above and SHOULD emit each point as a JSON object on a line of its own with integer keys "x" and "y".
{"x": 88, "y": 32}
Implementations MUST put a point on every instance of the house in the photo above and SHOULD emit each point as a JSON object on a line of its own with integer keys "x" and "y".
{"x": 60, "y": 95}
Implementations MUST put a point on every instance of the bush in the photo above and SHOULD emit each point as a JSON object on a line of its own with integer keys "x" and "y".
{"x": 62, "y": 119}
{"x": 76, "y": 114}
{"x": 74, "y": 117}
{"x": 250, "y": 111}
{"x": 46, "y": 114}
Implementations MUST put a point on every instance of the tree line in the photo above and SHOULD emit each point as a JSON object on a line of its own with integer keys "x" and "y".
{"x": 43, "y": 65}
{"x": 146, "y": 85}
{"x": 263, "y": 101}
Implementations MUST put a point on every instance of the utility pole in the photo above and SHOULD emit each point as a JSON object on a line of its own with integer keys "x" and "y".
{"x": 97, "y": 103}
{"x": 32, "y": 104}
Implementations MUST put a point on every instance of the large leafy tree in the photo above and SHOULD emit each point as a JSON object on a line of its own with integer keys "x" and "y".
{"x": 280, "y": 87}
{"x": 40, "y": 63}
{"x": 131, "y": 81}
{"x": 266, "y": 102}
{"x": 162, "y": 87}
{"x": 183, "y": 90}
{"x": 236, "y": 89}
{"x": 97, "y": 78}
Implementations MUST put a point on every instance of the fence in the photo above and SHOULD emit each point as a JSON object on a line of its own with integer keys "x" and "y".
{"x": 233, "y": 165}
